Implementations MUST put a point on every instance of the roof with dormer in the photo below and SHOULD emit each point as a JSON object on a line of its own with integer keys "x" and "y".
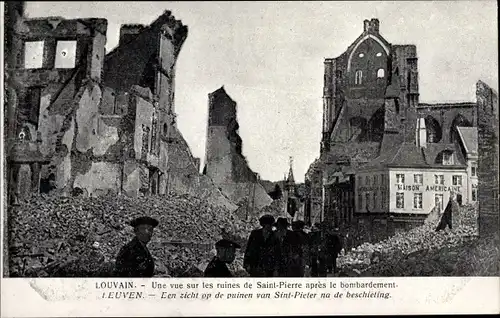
{"x": 409, "y": 155}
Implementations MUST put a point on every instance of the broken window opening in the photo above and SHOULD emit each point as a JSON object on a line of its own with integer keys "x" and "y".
{"x": 33, "y": 54}
{"x": 380, "y": 73}
{"x": 65, "y": 54}
{"x": 359, "y": 77}
{"x": 153, "y": 134}
{"x": 31, "y": 107}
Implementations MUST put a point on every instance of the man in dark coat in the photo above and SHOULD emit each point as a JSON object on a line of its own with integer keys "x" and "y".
{"x": 334, "y": 246}
{"x": 288, "y": 251}
{"x": 226, "y": 252}
{"x": 259, "y": 253}
{"x": 298, "y": 269}
{"x": 317, "y": 251}
{"x": 134, "y": 259}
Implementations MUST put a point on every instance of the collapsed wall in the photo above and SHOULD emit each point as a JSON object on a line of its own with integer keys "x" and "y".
{"x": 106, "y": 129}
{"x": 225, "y": 163}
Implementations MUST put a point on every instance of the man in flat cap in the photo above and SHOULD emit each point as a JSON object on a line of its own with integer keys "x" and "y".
{"x": 134, "y": 259}
{"x": 226, "y": 252}
{"x": 259, "y": 260}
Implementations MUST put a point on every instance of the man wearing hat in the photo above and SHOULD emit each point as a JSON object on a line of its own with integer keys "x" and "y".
{"x": 288, "y": 250}
{"x": 299, "y": 268}
{"x": 226, "y": 252}
{"x": 134, "y": 259}
{"x": 259, "y": 260}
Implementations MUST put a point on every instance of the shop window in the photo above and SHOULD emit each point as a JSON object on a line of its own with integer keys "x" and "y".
{"x": 400, "y": 200}
{"x": 400, "y": 178}
{"x": 359, "y": 77}
{"x": 380, "y": 73}
{"x": 417, "y": 200}
{"x": 33, "y": 54}
{"x": 457, "y": 180}
{"x": 418, "y": 178}
{"x": 65, "y": 54}
{"x": 439, "y": 179}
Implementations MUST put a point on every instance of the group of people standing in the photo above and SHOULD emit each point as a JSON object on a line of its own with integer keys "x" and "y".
{"x": 271, "y": 251}
{"x": 276, "y": 251}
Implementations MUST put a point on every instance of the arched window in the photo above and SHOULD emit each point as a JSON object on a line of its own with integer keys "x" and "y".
{"x": 433, "y": 128}
{"x": 359, "y": 77}
{"x": 380, "y": 73}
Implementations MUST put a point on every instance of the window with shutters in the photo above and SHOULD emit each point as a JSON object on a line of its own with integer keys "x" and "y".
{"x": 400, "y": 200}
{"x": 417, "y": 201}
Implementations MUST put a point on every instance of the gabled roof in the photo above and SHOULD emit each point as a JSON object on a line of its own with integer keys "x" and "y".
{"x": 408, "y": 155}
{"x": 368, "y": 33}
{"x": 468, "y": 136}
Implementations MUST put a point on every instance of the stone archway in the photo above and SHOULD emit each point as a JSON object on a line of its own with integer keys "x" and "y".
{"x": 433, "y": 129}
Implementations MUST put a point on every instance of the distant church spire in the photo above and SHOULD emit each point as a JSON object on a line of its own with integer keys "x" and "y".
{"x": 291, "y": 179}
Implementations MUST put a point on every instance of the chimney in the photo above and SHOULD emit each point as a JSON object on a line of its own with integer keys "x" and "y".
{"x": 375, "y": 25}
{"x": 366, "y": 25}
{"x": 421, "y": 133}
{"x": 371, "y": 25}
{"x": 129, "y": 31}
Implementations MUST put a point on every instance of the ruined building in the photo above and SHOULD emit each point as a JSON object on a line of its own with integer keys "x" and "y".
{"x": 488, "y": 162}
{"x": 375, "y": 131}
{"x": 225, "y": 163}
{"x": 106, "y": 121}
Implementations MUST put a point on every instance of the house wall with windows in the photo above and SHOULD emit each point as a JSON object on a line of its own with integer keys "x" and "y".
{"x": 419, "y": 191}
{"x": 410, "y": 190}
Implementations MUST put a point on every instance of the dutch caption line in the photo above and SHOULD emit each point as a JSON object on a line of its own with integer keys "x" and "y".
{"x": 125, "y": 290}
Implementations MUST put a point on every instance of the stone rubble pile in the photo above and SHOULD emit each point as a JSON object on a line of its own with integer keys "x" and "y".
{"x": 78, "y": 236}
{"x": 385, "y": 256}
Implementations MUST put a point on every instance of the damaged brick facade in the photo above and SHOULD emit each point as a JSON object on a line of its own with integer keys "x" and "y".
{"x": 107, "y": 128}
{"x": 371, "y": 105}
{"x": 225, "y": 163}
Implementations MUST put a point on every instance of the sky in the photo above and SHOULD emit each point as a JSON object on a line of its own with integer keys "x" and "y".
{"x": 269, "y": 57}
